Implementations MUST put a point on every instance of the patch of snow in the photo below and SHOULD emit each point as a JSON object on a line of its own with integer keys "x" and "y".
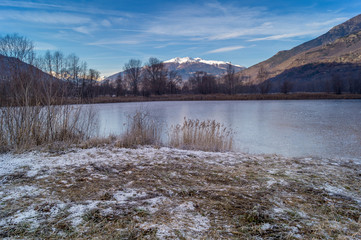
{"x": 32, "y": 173}
{"x": 278, "y": 210}
{"x": 185, "y": 219}
{"x": 10, "y": 163}
{"x": 21, "y": 191}
{"x": 78, "y": 210}
{"x": 271, "y": 182}
{"x": 341, "y": 191}
{"x": 302, "y": 214}
{"x": 266, "y": 226}
{"x": 127, "y": 195}
{"x": 26, "y": 216}
{"x": 107, "y": 211}
{"x": 153, "y": 203}
{"x": 3, "y": 222}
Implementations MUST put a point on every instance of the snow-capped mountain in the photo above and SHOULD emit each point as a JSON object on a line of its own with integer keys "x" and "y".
{"x": 197, "y": 60}
{"x": 187, "y": 66}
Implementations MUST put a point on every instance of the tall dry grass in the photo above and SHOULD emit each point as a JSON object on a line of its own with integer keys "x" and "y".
{"x": 141, "y": 130}
{"x": 23, "y": 127}
{"x": 207, "y": 135}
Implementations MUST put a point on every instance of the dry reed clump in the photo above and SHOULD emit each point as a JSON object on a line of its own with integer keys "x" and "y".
{"x": 24, "y": 127}
{"x": 141, "y": 130}
{"x": 207, "y": 135}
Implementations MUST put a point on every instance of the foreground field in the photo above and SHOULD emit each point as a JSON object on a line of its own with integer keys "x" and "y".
{"x": 150, "y": 193}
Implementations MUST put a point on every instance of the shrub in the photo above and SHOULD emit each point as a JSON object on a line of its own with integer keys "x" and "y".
{"x": 207, "y": 135}
{"x": 141, "y": 130}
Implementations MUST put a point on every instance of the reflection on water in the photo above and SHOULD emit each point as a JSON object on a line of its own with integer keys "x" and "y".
{"x": 324, "y": 128}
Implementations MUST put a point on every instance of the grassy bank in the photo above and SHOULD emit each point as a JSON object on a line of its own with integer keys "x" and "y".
{"x": 150, "y": 193}
{"x": 220, "y": 97}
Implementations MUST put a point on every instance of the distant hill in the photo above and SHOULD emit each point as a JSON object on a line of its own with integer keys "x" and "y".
{"x": 186, "y": 66}
{"x": 340, "y": 46}
{"x": 9, "y": 65}
{"x": 320, "y": 77}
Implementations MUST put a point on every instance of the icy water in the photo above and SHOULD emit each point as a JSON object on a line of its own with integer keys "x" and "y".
{"x": 318, "y": 128}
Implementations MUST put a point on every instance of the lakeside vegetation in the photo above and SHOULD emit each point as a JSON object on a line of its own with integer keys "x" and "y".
{"x": 220, "y": 97}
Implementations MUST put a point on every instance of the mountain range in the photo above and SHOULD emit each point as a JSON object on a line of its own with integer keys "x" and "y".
{"x": 186, "y": 67}
{"x": 311, "y": 65}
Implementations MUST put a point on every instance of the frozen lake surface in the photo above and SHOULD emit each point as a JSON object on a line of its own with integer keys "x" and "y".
{"x": 318, "y": 128}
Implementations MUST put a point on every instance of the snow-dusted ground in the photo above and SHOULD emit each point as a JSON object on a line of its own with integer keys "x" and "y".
{"x": 169, "y": 193}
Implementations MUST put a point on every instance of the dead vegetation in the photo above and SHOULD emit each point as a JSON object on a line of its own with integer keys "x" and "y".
{"x": 207, "y": 135}
{"x": 220, "y": 97}
{"x": 141, "y": 130}
{"x": 25, "y": 127}
{"x": 149, "y": 193}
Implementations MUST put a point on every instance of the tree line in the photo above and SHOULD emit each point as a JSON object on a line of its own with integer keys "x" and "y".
{"x": 55, "y": 78}
{"x": 153, "y": 78}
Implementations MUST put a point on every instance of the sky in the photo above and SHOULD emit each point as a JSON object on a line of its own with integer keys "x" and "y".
{"x": 106, "y": 34}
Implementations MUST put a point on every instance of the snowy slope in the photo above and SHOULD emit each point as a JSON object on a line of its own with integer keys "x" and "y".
{"x": 187, "y": 66}
{"x": 189, "y": 60}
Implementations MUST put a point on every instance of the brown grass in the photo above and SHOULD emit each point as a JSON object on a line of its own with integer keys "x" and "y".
{"x": 142, "y": 129}
{"x": 236, "y": 196}
{"x": 24, "y": 127}
{"x": 207, "y": 135}
{"x": 219, "y": 97}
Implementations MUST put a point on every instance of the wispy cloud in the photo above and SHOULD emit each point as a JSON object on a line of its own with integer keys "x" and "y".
{"x": 106, "y": 23}
{"x": 82, "y": 29}
{"x": 22, "y": 4}
{"x": 226, "y": 49}
{"x": 63, "y": 7}
{"x": 326, "y": 23}
{"x": 44, "y": 17}
{"x": 217, "y": 22}
{"x": 113, "y": 42}
{"x": 282, "y": 36}
{"x": 204, "y": 21}
{"x": 42, "y": 46}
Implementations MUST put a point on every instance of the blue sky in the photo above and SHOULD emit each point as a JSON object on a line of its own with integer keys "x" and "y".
{"x": 107, "y": 34}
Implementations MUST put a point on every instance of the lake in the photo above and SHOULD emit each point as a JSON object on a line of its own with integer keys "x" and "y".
{"x": 300, "y": 128}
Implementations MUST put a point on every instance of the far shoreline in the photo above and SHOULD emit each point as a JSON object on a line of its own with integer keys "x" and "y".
{"x": 218, "y": 97}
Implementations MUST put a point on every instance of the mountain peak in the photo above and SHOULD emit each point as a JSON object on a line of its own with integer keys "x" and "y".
{"x": 185, "y": 60}
{"x": 187, "y": 66}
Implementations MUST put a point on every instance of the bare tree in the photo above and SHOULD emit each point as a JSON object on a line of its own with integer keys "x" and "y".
{"x": 119, "y": 89}
{"x": 174, "y": 80}
{"x": 84, "y": 80}
{"x": 231, "y": 79}
{"x": 336, "y": 84}
{"x": 156, "y": 75}
{"x": 203, "y": 83}
{"x": 93, "y": 77}
{"x": 17, "y": 47}
{"x": 133, "y": 74}
{"x": 264, "y": 84}
{"x": 74, "y": 69}
{"x": 286, "y": 87}
{"x": 58, "y": 63}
